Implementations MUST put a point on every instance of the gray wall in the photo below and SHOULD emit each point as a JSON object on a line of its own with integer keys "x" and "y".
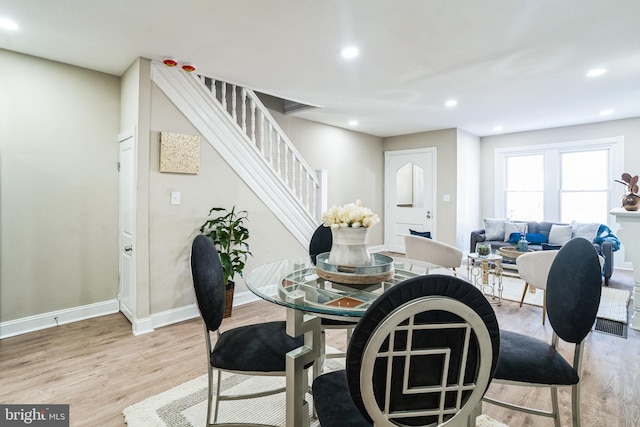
{"x": 58, "y": 186}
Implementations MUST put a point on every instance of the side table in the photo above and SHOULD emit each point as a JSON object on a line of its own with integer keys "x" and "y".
{"x": 488, "y": 275}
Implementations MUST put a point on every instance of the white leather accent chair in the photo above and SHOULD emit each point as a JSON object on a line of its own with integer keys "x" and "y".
{"x": 533, "y": 268}
{"x": 432, "y": 251}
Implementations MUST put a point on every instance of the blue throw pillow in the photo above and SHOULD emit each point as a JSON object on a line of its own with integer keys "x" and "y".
{"x": 535, "y": 238}
{"x": 426, "y": 234}
{"x": 515, "y": 237}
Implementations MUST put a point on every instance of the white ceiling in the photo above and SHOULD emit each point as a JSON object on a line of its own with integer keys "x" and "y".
{"x": 520, "y": 64}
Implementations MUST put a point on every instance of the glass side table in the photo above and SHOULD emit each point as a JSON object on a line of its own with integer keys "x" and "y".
{"x": 485, "y": 273}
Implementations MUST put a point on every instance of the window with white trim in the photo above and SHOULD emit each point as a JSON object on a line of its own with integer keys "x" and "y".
{"x": 564, "y": 182}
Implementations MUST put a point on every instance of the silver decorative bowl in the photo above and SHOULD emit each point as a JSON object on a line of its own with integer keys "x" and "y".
{"x": 378, "y": 269}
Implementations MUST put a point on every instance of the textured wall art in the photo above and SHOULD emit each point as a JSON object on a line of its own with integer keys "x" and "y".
{"x": 179, "y": 153}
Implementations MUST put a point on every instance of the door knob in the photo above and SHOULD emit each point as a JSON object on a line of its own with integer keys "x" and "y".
{"x": 428, "y": 214}
{"x": 128, "y": 248}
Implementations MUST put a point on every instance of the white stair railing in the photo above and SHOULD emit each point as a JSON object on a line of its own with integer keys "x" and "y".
{"x": 262, "y": 131}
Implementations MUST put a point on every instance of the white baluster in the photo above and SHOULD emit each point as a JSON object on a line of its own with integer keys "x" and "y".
{"x": 300, "y": 179}
{"x": 243, "y": 94}
{"x": 270, "y": 128}
{"x": 262, "y": 130}
{"x": 234, "y": 113}
{"x": 286, "y": 165}
{"x": 278, "y": 143}
{"x": 213, "y": 89}
{"x": 279, "y": 159}
{"x": 308, "y": 203}
{"x": 224, "y": 95}
{"x": 253, "y": 121}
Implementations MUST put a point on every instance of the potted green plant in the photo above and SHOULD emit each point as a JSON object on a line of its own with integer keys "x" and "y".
{"x": 483, "y": 249}
{"x": 227, "y": 231}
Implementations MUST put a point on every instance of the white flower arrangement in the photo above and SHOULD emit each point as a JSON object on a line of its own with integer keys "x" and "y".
{"x": 352, "y": 215}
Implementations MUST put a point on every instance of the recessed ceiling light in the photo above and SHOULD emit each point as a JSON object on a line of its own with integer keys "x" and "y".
{"x": 353, "y": 123}
{"x": 7, "y": 24}
{"x": 451, "y": 103}
{"x": 596, "y": 72}
{"x": 497, "y": 128}
{"x": 606, "y": 112}
{"x": 350, "y": 52}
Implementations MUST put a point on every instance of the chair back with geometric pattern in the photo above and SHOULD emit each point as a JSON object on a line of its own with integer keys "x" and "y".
{"x": 424, "y": 353}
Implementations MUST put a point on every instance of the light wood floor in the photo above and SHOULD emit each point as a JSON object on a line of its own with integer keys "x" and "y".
{"x": 99, "y": 368}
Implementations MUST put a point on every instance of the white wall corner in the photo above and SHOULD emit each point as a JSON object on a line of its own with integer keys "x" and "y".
{"x": 142, "y": 326}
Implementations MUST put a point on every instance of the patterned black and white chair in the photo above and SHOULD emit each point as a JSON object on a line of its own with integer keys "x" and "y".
{"x": 258, "y": 349}
{"x": 321, "y": 242}
{"x": 573, "y": 296}
{"x": 423, "y": 354}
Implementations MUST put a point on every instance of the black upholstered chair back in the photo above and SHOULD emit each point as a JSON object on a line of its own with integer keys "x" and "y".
{"x": 429, "y": 295}
{"x": 208, "y": 281}
{"x": 321, "y": 242}
{"x": 573, "y": 291}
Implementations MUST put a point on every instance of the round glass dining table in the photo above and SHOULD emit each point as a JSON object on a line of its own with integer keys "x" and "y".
{"x": 296, "y": 284}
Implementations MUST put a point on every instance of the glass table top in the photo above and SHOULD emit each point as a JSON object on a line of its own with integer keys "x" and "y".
{"x": 295, "y": 283}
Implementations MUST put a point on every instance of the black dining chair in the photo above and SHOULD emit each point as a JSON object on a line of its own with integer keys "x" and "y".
{"x": 573, "y": 296}
{"x": 321, "y": 242}
{"x": 258, "y": 349}
{"x": 422, "y": 354}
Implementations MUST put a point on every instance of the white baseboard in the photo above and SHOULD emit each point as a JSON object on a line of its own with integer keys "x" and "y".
{"x": 56, "y": 318}
{"x": 175, "y": 315}
{"x": 187, "y": 312}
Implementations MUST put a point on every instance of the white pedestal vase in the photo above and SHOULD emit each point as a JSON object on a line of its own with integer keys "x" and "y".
{"x": 349, "y": 246}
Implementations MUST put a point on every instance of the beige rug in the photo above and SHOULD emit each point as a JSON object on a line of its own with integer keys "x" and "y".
{"x": 613, "y": 304}
{"x": 186, "y": 406}
{"x": 512, "y": 288}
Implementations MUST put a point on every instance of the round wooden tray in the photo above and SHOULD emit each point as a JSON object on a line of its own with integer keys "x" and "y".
{"x": 512, "y": 252}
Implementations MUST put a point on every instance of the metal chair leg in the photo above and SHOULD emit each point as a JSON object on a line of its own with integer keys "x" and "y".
{"x": 554, "y": 406}
{"x": 215, "y": 414}
{"x": 209, "y": 397}
{"x": 575, "y": 405}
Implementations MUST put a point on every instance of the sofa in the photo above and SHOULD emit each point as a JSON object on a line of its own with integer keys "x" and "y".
{"x": 547, "y": 236}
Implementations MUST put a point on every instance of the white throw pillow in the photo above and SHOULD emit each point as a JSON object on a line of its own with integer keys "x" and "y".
{"x": 587, "y": 230}
{"x": 493, "y": 229}
{"x": 560, "y": 234}
{"x": 514, "y": 227}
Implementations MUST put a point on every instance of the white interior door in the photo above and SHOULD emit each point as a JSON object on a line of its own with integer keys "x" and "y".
{"x": 127, "y": 294}
{"x": 409, "y": 194}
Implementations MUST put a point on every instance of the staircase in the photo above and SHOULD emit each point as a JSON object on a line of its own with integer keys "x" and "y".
{"x": 239, "y": 127}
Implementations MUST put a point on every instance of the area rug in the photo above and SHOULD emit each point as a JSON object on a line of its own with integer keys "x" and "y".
{"x": 186, "y": 404}
{"x": 613, "y": 304}
{"x": 512, "y": 291}
{"x": 512, "y": 288}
